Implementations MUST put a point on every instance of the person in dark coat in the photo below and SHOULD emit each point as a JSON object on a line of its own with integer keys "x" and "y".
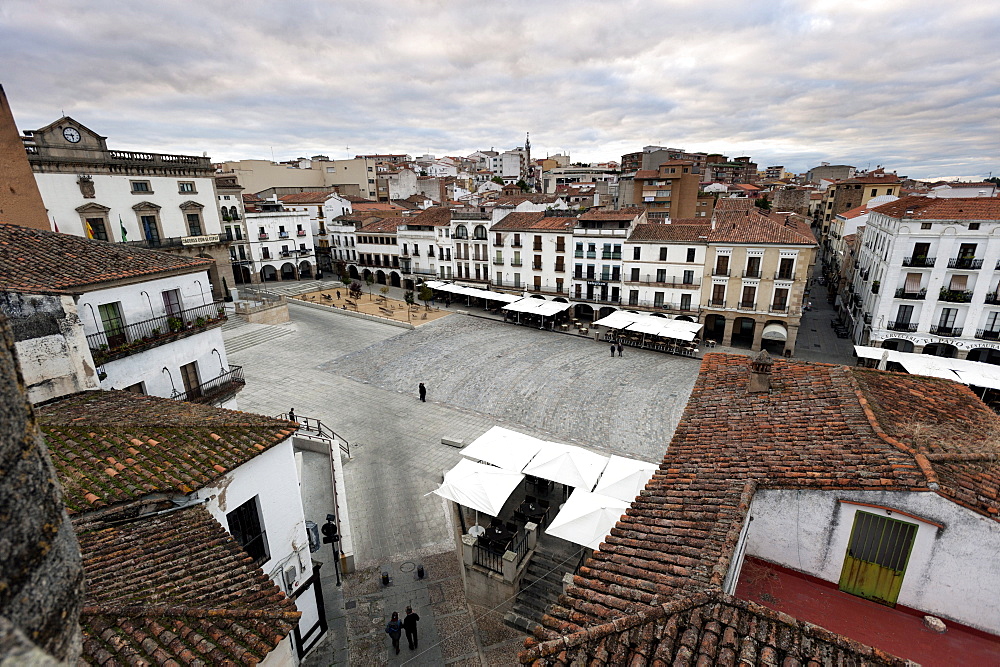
{"x": 620, "y": 348}
{"x": 612, "y": 349}
{"x": 394, "y": 629}
{"x": 423, "y": 392}
{"x": 410, "y": 625}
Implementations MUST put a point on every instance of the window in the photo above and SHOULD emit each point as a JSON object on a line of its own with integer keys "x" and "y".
{"x": 685, "y": 302}
{"x": 903, "y": 315}
{"x": 137, "y": 388}
{"x": 635, "y": 275}
{"x": 560, "y": 244}
{"x": 517, "y": 241}
{"x": 722, "y": 265}
{"x": 537, "y": 243}
{"x": 785, "y": 268}
{"x": 689, "y": 277}
{"x": 265, "y": 253}
{"x": 663, "y": 254}
{"x": 749, "y": 295}
{"x": 874, "y": 192}
{"x": 185, "y": 187}
{"x": 150, "y": 229}
{"x": 579, "y": 249}
{"x": 780, "y": 299}
{"x": 690, "y": 254}
{"x": 461, "y": 232}
{"x": 633, "y": 297}
{"x": 925, "y": 225}
{"x": 636, "y": 253}
{"x": 141, "y": 187}
{"x": 172, "y": 302}
{"x": 113, "y": 323}
{"x": 194, "y": 223}
{"x": 947, "y": 319}
{"x": 661, "y": 275}
{"x": 96, "y": 229}
{"x": 247, "y": 528}
{"x": 658, "y": 299}
{"x": 753, "y": 267}
{"x": 499, "y": 239}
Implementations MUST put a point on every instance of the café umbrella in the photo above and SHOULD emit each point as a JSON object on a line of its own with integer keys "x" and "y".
{"x": 587, "y": 518}
{"x": 480, "y": 487}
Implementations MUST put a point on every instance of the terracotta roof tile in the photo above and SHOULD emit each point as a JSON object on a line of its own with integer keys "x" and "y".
{"x": 534, "y": 198}
{"x": 933, "y": 208}
{"x": 538, "y": 221}
{"x": 177, "y": 589}
{"x": 306, "y": 197}
{"x": 382, "y": 225}
{"x": 40, "y": 260}
{"x": 820, "y": 427}
{"x": 112, "y": 447}
{"x": 675, "y": 231}
{"x": 435, "y": 216}
{"x": 646, "y": 174}
{"x": 627, "y": 213}
{"x": 735, "y": 222}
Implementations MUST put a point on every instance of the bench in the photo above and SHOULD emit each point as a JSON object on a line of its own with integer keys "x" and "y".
{"x": 453, "y": 442}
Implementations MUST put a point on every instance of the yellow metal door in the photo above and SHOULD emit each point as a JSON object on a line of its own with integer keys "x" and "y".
{"x": 876, "y": 557}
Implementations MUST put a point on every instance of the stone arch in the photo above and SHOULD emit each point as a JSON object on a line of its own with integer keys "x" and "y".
{"x": 743, "y": 332}
{"x": 268, "y": 274}
{"x": 352, "y": 272}
{"x": 394, "y": 279}
{"x": 684, "y": 318}
{"x": 288, "y": 271}
{"x": 380, "y": 277}
{"x": 584, "y": 311}
{"x": 945, "y": 350}
{"x": 305, "y": 269}
{"x": 242, "y": 274}
{"x": 898, "y": 344}
{"x": 605, "y": 311}
{"x": 715, "y": 327}
{"x": 984, "y": 355}
{"x": 213, "y": 275}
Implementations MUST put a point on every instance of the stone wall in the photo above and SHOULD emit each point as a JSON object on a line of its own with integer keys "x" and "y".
{"x": 20, "y": 201}
{"x": 41, "y": 579}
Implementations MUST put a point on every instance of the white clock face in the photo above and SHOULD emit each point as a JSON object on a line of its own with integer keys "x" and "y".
{"x": 71, "y": 135}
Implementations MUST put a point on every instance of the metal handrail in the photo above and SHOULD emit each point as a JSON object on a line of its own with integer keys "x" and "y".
{"x": 310, "y": 427}
{"x": 211, "y": 390}
{"x": 487, "y": 558}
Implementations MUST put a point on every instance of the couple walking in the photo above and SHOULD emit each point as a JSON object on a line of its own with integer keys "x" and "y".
{"x": 395, "y": 627}
{"x": 616, "y": 347}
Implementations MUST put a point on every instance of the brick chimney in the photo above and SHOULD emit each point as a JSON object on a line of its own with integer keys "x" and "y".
{"x": 760, "y": 373}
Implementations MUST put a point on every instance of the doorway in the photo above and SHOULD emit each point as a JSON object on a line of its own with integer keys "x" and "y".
{"x": 192, "y": 385}
{"x": 876, "y": 558}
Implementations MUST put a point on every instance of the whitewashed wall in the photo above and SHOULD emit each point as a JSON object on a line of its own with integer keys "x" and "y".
{"x": 147, "y": 366}
{"x": 953, "y": 572}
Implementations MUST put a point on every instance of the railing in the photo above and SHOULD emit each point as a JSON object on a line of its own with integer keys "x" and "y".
{"x": 544, "y": 289}
{"x": 591, "y": 254}
{"x": 965, "y": 263}
{"x": 537, "y": 266}
{"x": 779, "y": 308}
{"x": 498, "y": 262}
{"x": 516, "y": 262}
{"x": 262, "y": 237}
{"x": 909, "y": 327}
{"x": 673, "y": 282}
{"x": 955, "y": 296}
{"x": 487, "y": 558}
{"x": 901, "y": 293}
{"x": 919, "y": 261}
{"x": 868, "y": 318}
{"x": 215, "y": 390}
{"x": 139, "y": 336}
{"x": 300, "y": 232}
{"x": 282, "y": 235}
{"x": 578, "y": 253}
{"x": 611, "y": 255}
{"x": 168, "y": 242}
{"x": 875, "y": 287}
{"x": 537, "y": 248}
{"x": 689, "y": 309}
{"x": 751, "y": 274}
{"x": 781, "y": 275}
{"x": 746, "y": 305}
{"x": 718, "y": 303}
{"x": 516, "y": 244}
{"x": 314, "y": 429}
{"x": 992, "y": 297}
{"x": 720, "y": 272}
{"x": 520, "y": 546}
{"x": 168, "y": 160}
{"x": 987, "y": 334}
{"x": 938, "y": 330}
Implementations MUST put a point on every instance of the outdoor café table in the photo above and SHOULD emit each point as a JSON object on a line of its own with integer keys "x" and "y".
{"x": 533, "y": 511}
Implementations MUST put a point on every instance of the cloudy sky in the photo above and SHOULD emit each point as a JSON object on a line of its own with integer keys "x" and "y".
{"x": 912, "y": 85}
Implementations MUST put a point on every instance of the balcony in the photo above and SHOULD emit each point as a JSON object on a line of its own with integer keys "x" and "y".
{"x": 177, "y": 241}
{"x": 955, "y": 296}
{"x": 591, "y": 255}
{"x": 868, "y": 318}
{"x": 779, "y": 308}
{"x": 516, "y": 262}
{"x": 925, "y": 262}
{"x": 611, "y": 255}
{"x": 746, "y": 305}
{"x": 282, "y": 235}
{"x": 992, "y": 297}
{"x": 672, "y": 282}
{"x": 717, "y": 303}
{"x": 901, "y": 293}
{"x": 300, "y": 232}
{"x": 965, "y": 263}
{"x": 537, "y": 248}
{"x": 560, "y": 268}
{"x": 515, "y": 244}
{"x": 141, "y": 336}
{"x": 720, "y": 272}
{"x": 537, "y": 266}
{"x": 216, "y": 390}
{"x": 946, "y": 331}
{"x": 263, "y": 237}
{"x": 987, "y": 334}
{"x": 908, "y": 327}
{"x": 875, "y": 287}
{"x": 498, "y": 261}
{"x": 579, "y": 254}
{"x": 751, "y": 274}
{"x": 784, "y": 275}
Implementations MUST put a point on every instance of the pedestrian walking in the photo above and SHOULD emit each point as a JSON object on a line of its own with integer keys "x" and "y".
{"x": 423, "y": 392}
{"x": 338, "y": 295}
{"x": 620, "y": 348}
{"x": 410, "y": 625}
{"x": 612, "y": 349}
{"x": 394, "y": 629}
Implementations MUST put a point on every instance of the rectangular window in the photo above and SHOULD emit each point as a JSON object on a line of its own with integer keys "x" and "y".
{"x": 786, "y": 268}
{"x": 636, "y": 253}
{"x": 903, "y": 314}
{"x": 141, "y": 187}
{"x": 959, "y": 283}
{"x": 633, "y": 297}
{"x": 722, "y": 265}
{"x": 912, "y": 283}
{"x": 560, "y": 244}
{"x": 192, "y": 383}
{"x": 579, "y": 249}
{"x": 150, "y": 229}
{"x": 947, "y": 319}
{"x": 616, "y": 273}
{"x": 661, "y": 275}
{"x": 658, "y": 299}
{"x": 690, "y": 254}
{"x": 185, "y": 187}
{"x": 689, "y": 277}
{"x": 663, "y": 254}
{"x": 753, "y": 267}
{"x": 685, "y": 302}
{"x": 194, "y": 223}
{"x": 113, "y": 323}
{"x": 499, "y": 239}
{"x": 559, "y": 285}
{"x": 749, "y": 295}
{"x": 96, "y": 229}
{"x": 172, "y": 302}
{"x": 718, "y": 295}
{"x": 874, "y": 192}
{"x": 247, "y": 528}
{"x": 517, "y": 279}
{"x": 635, "y": 275}
{"x": 537, "y": 246}
{"x": 973, "y": 226}
{"x": 780, "y": 299}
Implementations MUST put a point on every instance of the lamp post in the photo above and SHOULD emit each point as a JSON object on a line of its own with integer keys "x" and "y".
{"x": 330, "y": 536}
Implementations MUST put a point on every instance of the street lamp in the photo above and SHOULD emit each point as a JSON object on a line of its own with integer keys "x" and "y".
{"x": 330, "y": 536}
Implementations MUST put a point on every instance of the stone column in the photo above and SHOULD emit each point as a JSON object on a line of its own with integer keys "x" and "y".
{"x": 468, "y": 543}
{"x": 727, "y": 337}
{"x": 532, "y": 530}
{"x": 793, "y": 335}
{"x": 758, "y": 333}
{"x": 509, "y": 566}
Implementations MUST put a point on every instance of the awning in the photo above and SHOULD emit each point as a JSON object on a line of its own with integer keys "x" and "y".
{"x": 502, "y": 447}
{"x": 587, "y": 518}
{"x": 567, "y": 464}
{"x": 618, "y": 319}
{"x": 774, "y": 331}
{"x": 624, "y": 478}
{"x": 538, "y": 307}
{"x": 471, "y": 291}
{"x": 478, "y": 486}
{"x": 650, "y": 324}
{"x": 975, "y": 373}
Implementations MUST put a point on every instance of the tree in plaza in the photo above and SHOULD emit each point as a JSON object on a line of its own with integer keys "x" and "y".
{"x": 409, "y": 298}
{"x": 355, "y": 290}
{"x": 384, "y": 291}
{"x": 369, "y": 280}
{"x": 426, "y": 294}
{"x": 497, "y": 180}
{"x": 524, "y": 186}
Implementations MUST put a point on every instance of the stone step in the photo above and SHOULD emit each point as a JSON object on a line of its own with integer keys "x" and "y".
{"x": 248, "y": 340}
{"x": 519, "y": 622}
{"x": 541, "y": 587}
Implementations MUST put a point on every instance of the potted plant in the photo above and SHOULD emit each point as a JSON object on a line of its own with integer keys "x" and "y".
{"x": 175, "y": 323}
{"x": 875, "y": 286}
{"x": 200, "y": 322}
{"x": 155, "y": 331}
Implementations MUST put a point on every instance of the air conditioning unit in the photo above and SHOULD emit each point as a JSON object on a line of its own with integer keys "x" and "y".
{"x": 288, "y": 575}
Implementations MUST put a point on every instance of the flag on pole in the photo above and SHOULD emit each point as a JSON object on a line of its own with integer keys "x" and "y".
{"x": 124, "y": 233}
{"x": 89, "y": 230}
{"x": 55, "y": 225}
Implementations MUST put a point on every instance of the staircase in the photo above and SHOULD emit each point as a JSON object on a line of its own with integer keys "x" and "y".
{"x": 541, "y": 586}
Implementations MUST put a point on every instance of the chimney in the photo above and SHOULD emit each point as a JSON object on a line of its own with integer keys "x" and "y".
{"x": 760, "y": 373}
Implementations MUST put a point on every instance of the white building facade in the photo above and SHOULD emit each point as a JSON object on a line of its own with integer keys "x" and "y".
{"x": 281, "y": 243}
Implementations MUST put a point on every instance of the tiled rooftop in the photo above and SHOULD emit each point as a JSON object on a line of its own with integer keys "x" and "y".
{"x": 177, "y": 589}
{"x": 112, "y": 447}
{"x": 933, "y": 208}
{"x": 739, "y": 221}
{"x": 626, "y": 213}
{"x": 820, "y": 427}
{"x": 40, "y": 260}
{"x": 675, "y": 231}
{"x": 435, "y": 216}
{"x": 306, "y": 197}
{"x": 534, "y": 198}
{"x": 537, "y": 221}
{"x": 381, "y": 225}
